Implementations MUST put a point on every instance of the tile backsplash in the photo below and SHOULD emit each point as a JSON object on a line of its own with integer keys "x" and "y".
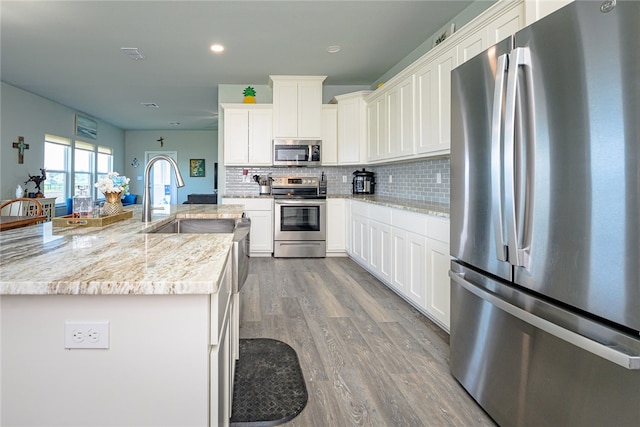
{"x": 424, "y": 180}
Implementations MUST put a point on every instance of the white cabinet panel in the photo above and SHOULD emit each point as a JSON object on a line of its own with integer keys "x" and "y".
{"x": 260, "y": 211}
{"x": 378, "y": 138}
{"x": 399, "y": 273}
{"x": 285, "y": 109}
{"x": 415, "y": 264}
{"x": 434, "y": 88}
{"x": 336, "y": 226}
{"x": 360, "y": 239}
{"x": 329, "y": 149}
{"x": 471, "y": 46}
{"x": 438, "y": 299}
{"x": 260, "y": 131}
{"x": 297, "y": 106}
{"x": 400, "y": 103}
{"x": 352, "y": 128}
{"x": 505, "y": 25}
{"x": 247, "y": 134}
{"x": 380, "y": 259}
{"x": 310, "y": 109}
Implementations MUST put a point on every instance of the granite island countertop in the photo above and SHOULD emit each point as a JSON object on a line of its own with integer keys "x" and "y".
{"x": 121, "y": 258}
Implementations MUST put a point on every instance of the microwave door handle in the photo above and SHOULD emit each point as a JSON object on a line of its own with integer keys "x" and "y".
{"x": 497, "y": 165}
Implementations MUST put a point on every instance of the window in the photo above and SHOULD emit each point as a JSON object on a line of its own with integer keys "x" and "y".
{"x": 83, "y": 166}
{"x": 105, "y": 162}
{"x": 56, "y": 161}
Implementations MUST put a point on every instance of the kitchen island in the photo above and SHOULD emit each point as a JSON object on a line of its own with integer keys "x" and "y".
{"x": 165, "y": 357}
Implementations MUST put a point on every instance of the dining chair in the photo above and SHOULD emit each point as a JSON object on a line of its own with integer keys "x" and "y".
{"x": 21, "y": 206}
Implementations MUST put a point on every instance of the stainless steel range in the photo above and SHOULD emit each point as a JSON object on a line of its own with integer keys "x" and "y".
{"x": 300, "y": 218}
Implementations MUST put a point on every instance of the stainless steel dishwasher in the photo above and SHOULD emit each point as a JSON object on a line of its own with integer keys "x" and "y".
{"x": 241, "y": 244}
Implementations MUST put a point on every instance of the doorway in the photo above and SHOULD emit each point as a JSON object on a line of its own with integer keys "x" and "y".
{"x": 164, "y": 191}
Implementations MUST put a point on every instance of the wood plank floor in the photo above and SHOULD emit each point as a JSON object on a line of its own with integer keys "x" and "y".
{"x": 368, "y": 357}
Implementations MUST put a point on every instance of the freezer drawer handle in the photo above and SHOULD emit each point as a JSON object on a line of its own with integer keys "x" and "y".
{"x": 631, "y": 362}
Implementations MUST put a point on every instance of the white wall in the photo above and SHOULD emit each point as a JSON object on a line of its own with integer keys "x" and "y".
{"x": 31, "y": 116}
{"x": 193, "y": 144}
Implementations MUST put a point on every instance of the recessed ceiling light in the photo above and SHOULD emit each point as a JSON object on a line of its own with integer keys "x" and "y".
{"x": 132, "y": 53}
{"x": 334, "y": 49}
{"x": 217, "y": 48}
{"x": 150, "y": 104}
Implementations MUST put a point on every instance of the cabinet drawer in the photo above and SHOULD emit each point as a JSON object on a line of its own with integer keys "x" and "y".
{"x": 263, "y": 204}
{"x": 381, "y": 214}
{"x": 360, "y": 208}
{"x": 410, "y": 221}
{"x": 438, "y": 229}
{"x": 220, "y": 303}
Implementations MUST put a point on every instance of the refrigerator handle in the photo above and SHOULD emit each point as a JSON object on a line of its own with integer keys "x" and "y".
{"x": 496, "y": 157}
{"x": 518, "y": 57}
{"x": 624, "y": 357}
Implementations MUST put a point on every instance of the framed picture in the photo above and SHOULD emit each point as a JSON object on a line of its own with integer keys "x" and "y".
{"x": 196, "y": 167}
{"x": 444, "y": 32}
{"x": 86, "y": 127}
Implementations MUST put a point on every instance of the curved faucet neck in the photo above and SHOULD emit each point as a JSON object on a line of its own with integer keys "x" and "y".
{"x": 146, "y": 197}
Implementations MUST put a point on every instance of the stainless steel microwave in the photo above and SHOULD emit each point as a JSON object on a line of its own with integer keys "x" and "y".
{"x": 296, "y": 152}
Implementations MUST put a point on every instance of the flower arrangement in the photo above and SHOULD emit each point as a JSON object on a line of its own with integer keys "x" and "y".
{"x": 113, "y": 183}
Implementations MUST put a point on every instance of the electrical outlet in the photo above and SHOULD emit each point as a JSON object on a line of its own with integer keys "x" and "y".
{"x": 390, "y": 179}
{"x": 344, "y": 178}
{"x": 438, "y": 178}
{"x": 86, "y": 334}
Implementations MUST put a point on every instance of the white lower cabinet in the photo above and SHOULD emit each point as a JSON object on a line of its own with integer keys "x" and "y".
{"x": 260, "y": 211}
{"x": 360, "y": 239}
{"x": 438, "y": 300}
{"x": 336, "y": 227}
{"x": 407, "y": 251}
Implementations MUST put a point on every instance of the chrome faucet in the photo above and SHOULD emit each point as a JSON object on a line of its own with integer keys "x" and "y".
{"x": 146, "y": 199}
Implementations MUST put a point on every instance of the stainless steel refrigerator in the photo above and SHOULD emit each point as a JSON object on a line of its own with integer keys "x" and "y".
{"x": 545, "y": 221}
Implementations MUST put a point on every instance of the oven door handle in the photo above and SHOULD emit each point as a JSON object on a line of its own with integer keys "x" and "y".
{"x": 299, "y": 202}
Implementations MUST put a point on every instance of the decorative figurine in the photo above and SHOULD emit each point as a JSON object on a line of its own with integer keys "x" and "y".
{"x": 38, "y": 180}
{"x": 249, "y": 95}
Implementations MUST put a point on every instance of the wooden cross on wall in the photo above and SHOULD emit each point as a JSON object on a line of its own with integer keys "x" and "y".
{"x": 21, "y": 146}
{"x": 161, "y": 141}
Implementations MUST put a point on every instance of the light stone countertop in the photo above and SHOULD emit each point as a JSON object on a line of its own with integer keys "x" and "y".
{"x": 117, "y": 259}
{"x": 427, "y": 208}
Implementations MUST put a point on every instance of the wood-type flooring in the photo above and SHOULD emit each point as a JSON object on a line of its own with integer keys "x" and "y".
{"x": 368, "y": 357}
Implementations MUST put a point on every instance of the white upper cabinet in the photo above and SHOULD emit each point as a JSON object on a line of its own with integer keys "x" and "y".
{"x": 433, "y": 104}
{"x": 329, "y": 147}
{"x": 352, "y": 128}
{"x": 400, "y": 105}
{"x": 505, "y": 25}
{"x": 377, "y": 136}
{"x": 502, "y": 24}
{"x": 297, "y": 106}
{"x": 247, "y": 134}
{"x": 538, "y": 9}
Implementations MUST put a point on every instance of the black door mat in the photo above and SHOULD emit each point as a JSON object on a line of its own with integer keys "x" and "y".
{"x": 269, "y": 387}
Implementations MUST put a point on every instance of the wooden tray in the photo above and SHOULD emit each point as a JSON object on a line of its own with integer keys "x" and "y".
{"x": 70, "y": 221}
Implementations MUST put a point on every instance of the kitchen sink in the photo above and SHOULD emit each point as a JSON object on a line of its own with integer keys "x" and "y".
{"x": 240, "y": 228}
{"x": 197, "y": 226}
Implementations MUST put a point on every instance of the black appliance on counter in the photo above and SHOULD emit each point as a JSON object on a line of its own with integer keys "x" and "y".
{"x": 364, "y": 182}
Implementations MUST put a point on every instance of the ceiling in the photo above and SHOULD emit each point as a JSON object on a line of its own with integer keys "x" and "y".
{"x": 70, "y": 51}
